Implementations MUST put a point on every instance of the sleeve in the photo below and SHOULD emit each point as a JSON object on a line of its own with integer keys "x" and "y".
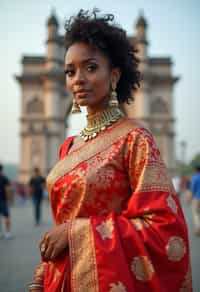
{"x": 146, "y": 247}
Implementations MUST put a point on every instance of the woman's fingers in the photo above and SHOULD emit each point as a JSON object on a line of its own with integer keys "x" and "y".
{"x": 44, "y": 243}
{"x": 54, "y": 254}
{"x": 53, "y": 242}
{"x": 45, "y": 237}
{"x": 48, "y": 252}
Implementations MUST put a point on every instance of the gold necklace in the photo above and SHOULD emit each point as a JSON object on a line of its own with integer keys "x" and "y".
{"x": 100, "y": 121}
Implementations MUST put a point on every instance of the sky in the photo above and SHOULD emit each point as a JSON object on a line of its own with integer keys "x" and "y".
{"x": 173, "y": 30}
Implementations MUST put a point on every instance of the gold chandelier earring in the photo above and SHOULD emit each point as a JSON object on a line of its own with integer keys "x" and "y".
{"x": 113, "y": 102}
{"x": 75, "y": 107}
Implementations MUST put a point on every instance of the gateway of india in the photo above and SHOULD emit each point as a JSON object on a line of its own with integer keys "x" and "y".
{"x": 46, "y": 104}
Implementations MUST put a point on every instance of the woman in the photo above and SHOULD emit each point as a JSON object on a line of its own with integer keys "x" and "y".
{"x": 119, "y": 225}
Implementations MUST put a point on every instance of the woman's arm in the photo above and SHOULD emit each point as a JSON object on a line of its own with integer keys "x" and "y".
{"x": 38, "y": 280}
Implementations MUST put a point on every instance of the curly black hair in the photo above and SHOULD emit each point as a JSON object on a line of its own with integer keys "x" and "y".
{"x": 102, "y": 33}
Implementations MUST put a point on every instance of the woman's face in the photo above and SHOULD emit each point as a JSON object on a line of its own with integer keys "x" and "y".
{"x": 89, "y": 76}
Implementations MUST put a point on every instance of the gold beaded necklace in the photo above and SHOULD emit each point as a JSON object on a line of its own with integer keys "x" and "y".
{"x": 100, "y": 121}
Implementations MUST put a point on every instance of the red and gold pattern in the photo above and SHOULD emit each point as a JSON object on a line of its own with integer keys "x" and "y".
{"x": 126, "y": 227}
{"x": 142, "y": 268}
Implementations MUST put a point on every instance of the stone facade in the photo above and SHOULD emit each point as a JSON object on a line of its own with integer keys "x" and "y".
{"x": 45, "y": 103}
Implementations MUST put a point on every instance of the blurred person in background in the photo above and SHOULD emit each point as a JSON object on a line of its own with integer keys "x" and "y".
{"x": 4, "y": 207}
{"x": 177, "y": 184}
{"x": 185, "y": 189}
{"x": 37, "y": 185}
{"x": 195, "y": 195}
{"x": 20, "y": 193}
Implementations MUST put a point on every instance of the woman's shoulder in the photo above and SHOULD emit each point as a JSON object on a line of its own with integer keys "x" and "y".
{"x": 138, "y": 130}
{"x": 141, "y": 140}
{"x": 140, "y": 137}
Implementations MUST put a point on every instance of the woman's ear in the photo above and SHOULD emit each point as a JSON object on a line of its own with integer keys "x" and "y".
{"x": 115, "y": 76}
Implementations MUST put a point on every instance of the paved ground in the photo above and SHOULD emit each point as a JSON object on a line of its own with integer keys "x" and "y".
{"x": 19, "y": 256}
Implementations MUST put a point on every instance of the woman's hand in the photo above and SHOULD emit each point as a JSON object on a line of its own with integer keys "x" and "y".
{"x": 54, "y": 242}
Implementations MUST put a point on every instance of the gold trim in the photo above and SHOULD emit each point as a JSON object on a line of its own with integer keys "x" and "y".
{"x": 88, "y": 150}
{"x": 82, "y": 255}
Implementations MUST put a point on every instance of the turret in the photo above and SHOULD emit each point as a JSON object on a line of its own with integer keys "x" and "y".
{"x": 54, "y": 58}
{"x": 141, "y": 37}
{"x": 52, "y": 24}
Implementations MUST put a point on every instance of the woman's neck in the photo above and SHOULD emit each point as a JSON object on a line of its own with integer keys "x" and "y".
{"x": 98, "y": 108}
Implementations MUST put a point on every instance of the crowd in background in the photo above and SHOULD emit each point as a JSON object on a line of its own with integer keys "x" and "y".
{"x": 13, "y": 193}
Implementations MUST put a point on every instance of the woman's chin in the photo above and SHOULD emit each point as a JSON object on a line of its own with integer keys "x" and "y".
{"x": 83, "y": 103}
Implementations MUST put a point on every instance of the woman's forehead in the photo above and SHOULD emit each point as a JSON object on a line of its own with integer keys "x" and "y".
{"x": 81, "y": 52}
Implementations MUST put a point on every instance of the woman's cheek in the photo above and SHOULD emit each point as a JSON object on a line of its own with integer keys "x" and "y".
{"x": 68, "y": 85}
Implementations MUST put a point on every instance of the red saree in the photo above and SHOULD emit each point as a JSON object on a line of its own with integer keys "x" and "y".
{"x": 126, "y": 232}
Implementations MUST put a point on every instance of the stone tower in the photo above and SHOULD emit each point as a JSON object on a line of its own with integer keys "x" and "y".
{"x": 154, "y": 101}
{"x": 45, "y": 105}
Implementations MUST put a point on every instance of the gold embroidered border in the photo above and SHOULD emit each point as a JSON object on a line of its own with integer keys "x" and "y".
{"x": 82, "y": 255}
{"x": 88, "y": 150}
{"x": 155, "y": 178}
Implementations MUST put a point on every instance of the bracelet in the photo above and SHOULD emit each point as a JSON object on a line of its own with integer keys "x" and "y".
{"x": 35, "y": 285}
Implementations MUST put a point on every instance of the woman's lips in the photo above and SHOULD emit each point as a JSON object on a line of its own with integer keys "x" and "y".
{"x": 82, "y": 93}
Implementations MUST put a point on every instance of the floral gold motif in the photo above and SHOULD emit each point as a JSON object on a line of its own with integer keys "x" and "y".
{"x": 175, "y": 248}
{"x": 119, "y": 287}
{"x": 139, "y": 223}
{"x": 142, "y": 268}
{"x": 172, "y": 204}
{"x": 105, "y": 229}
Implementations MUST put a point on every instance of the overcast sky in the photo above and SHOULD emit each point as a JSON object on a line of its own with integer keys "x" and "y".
{"x": 174, "y": 31}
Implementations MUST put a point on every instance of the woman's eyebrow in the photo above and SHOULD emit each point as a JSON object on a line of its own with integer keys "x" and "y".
{"x": 82, "y": 62}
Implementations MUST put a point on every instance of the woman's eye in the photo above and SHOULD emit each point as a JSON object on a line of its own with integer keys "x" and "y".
{"x": 69, "y": 72}
{"x": 91, "y": 68}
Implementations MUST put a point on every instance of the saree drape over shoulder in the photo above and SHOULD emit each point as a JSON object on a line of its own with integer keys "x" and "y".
{"x": 126, "y": 231}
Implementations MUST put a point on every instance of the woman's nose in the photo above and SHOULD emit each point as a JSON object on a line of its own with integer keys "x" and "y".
{"x": 79, "y": 77}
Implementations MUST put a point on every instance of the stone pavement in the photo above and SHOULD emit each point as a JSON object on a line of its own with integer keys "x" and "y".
{"x": 19, "y": 256}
